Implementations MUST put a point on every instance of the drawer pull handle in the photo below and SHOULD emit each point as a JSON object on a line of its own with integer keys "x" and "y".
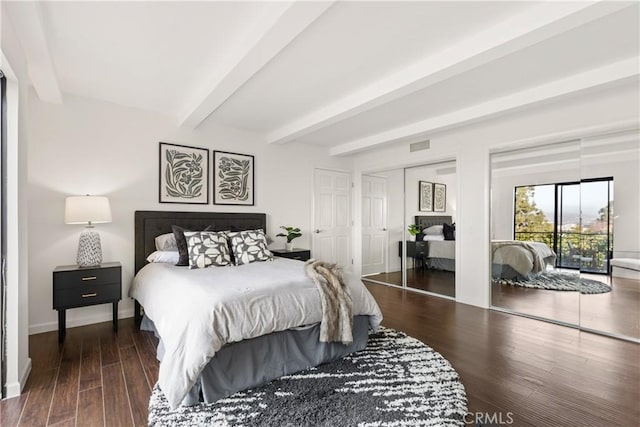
{"x": 89, "y": 295}
{"x": 84, "y": 279}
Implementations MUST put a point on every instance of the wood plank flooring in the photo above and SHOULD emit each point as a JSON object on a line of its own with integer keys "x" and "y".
{"x": 97, "y": 378}
{"x": 434, "y": 281}
{"x": 517, "y": 371}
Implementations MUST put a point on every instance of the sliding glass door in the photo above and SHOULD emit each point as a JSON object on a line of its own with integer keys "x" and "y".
{"x": 572, "y": 218}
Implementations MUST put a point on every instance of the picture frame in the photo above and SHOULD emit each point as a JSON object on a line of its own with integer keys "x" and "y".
{"x": 425, "y": 196}
{"x": 439, "y": 197}
{"x": 233, "y": 179}
{"x": 183, "y": 174}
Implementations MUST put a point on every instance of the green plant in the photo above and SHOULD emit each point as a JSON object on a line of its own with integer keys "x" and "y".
{"x": 292, "y": 233}
{"x": 414, "y": 229}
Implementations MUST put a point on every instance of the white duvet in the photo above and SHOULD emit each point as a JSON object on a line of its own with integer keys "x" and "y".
{"x": 198, "y": 311}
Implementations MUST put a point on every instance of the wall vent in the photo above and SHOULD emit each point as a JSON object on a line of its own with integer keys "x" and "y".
{"x": 422, "y": 145}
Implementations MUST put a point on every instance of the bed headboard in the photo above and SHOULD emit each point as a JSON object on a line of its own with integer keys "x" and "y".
{"x": 149, "y": 224}
{"x": 424, "y": 221}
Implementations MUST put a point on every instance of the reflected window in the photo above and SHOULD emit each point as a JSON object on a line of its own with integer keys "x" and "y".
{"x": 552, "y": 214}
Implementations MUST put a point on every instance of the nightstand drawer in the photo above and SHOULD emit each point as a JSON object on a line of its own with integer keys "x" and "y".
{"x": 83, "y": 295}
{"x": 85, "y": 277}
{"x": 299, "y": 254}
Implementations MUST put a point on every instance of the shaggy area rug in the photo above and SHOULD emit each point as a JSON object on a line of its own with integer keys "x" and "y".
{"x": 395, "y": 381}
{"x": 559, "y": 282}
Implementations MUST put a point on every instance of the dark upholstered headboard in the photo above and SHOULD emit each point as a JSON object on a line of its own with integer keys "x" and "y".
{"x": 149, "y": 224}
{"x": 425, "y": 221}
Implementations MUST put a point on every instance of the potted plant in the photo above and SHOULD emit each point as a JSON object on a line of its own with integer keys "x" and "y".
{"x": 414, "y": 230}
{"x": 291, "y": 233}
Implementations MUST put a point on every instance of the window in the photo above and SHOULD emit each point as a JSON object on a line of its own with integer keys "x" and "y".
{"x": 574, "y": 218}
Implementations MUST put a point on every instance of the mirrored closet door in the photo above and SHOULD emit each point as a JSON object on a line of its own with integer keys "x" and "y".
{"x": 535, "y": 238}
{"x": 562, "y": 217}
{"x": 610, "y": 238}
{"x": 408, "y": 227}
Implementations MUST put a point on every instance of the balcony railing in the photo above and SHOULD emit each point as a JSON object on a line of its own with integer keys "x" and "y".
{"x": 587, "y": 252}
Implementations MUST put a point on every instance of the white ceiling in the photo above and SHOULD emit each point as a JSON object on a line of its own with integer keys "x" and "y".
{"x": 347, "y": 75}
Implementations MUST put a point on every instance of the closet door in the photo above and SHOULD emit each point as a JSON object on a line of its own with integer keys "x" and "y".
{"x": 3, "y": 236}
{"x": 610, "y": 208}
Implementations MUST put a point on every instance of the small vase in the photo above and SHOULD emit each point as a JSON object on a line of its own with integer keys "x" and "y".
{"x": 289, "y": 246}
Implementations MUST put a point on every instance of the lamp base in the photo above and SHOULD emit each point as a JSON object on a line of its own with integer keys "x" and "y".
{"x": 89, "y": 249}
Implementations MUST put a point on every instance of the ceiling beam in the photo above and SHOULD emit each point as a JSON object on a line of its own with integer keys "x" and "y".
{"x": 533, "y": 25}
{"x": 616, "y": 73}
{"x": 266, "y": 43}
{"x": 26, "y": 18}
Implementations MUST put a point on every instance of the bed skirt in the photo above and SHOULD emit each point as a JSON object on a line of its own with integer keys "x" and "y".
{"x": 256, "y": 361}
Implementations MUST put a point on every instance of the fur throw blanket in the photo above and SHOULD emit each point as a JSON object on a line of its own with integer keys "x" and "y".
{"x": 337, "y": 320}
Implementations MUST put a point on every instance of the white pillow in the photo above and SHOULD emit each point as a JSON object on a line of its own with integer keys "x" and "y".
{"x": 169, "y": 257}
{"x": 166, "y": 242}
{"x": 434, "y": 230}
{"x": 428, "y": 237}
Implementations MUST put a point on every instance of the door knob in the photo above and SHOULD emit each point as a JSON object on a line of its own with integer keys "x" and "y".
{"x": 317, "y": 230}
{"x": 384, "y": 229}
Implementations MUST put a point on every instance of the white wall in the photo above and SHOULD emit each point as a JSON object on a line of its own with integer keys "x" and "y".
{"x": 92, "y": 147}
{"x": 15, "y": 68}
{"x": 471, "y": 146}
{"x": 430, "y": 173}
{"x": 504, "y": 182}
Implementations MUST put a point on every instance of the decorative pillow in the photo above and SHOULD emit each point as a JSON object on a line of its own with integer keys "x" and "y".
{"x": 169, "y": 257}
{"x": 434, "y": 230}
{"x": 207, "y": 248}
{"x": 181, "y": 243}
{"x": 249, "y": 246}
{"x": 428, "y": 237}
{"x": 166, "y": 242}
{"x": 449, "y": 231}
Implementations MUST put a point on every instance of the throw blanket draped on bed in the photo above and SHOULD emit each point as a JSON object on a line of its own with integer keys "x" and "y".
{"x": 337, "y": 320}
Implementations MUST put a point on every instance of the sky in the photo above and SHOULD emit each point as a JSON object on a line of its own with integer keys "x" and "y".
{"x": 593, "y": 197}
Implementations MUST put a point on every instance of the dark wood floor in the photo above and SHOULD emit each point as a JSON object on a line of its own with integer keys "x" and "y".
{"x": 97, "y": 378}
{"x": 513, "y": 368}
{"x": 434, "y": 281}
{"x": 615, "y": 312}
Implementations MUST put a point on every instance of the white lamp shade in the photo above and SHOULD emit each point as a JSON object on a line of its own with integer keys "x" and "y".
{"x": 87, "y": 209}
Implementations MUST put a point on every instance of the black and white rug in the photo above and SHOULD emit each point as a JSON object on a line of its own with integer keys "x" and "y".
{"x": 395, "y": 381}
{"x": 559, "y": 282}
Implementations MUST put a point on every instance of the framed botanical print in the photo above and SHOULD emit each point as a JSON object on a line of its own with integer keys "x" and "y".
{"x": 233, "y": 179}
{"x": 184, "y": 174}
{"x": 425, "y": 196}
{"x": 439, "y": 197}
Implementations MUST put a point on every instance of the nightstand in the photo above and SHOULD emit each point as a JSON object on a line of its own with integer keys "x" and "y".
{"x": 296, "y": 253}
{"x": 74, "y": 287}
{"x": 416, "y": 250}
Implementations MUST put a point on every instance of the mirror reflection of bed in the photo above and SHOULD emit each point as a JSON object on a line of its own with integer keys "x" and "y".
{"x": 562, "y": 196}
{"x": 391, "y": 202}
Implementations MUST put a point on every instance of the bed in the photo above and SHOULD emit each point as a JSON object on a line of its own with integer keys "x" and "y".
{"x": 225, "y": 329}
{"x": 511, "y": 259}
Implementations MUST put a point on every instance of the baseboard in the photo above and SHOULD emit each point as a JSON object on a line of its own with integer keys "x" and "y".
{"x": 15, "y": 388}
{"x": 103, "y": 317}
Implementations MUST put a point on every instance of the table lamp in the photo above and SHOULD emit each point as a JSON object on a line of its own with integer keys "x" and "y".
{"x": 88, "y": 210}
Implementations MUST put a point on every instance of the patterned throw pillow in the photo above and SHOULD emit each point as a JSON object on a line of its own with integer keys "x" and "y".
{"x": 181, "y": 242}
{"x": 207, "y": 248}
{"x": 249, "y": 246}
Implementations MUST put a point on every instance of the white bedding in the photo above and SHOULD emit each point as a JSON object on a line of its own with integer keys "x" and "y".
{"x": 198, "y": 311}
{"x": 442, "y": 249}
{"x": 524, "y": 257}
